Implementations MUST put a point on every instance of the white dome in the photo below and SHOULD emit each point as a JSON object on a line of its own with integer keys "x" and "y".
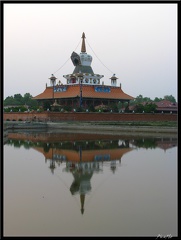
{"x": 85, "y": 59}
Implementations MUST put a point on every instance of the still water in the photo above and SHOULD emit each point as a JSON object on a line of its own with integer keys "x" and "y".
{"x": 72, "y": 184}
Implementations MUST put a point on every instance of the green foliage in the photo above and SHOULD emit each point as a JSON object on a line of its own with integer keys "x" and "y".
{"x": 147, "y": 99}
{"x": 15, "y": 109}
{"x": 27, "y": 100}
{"x": 46, "y": 105}
{"x": 114, "y": 107}
{"x": 20, "y": 100}
{"x": 56, "y": 109}
{"x": 68, "y": 108}
{"x": 157, "y": 99}
{"x": 170, "y": 98}
{"x": 147, "y": 108}
{"x": 127, "y": 109}
{"x": 131, "y": 103}
{"x": 139, "y": 108}
{"x": 80, "y": 109}
{"x": 91, "y": 108}
{"x": 119, "y": 106}
{"x": 139, "y": 99}
{"x": 146, "y": 143}
{"x": 150, "y": 107}
{"x": 9, "y": 101}
{"x": 46, "y": 147}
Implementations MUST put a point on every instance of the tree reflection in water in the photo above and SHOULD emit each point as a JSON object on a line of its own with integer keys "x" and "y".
{"x": 83, "y": 163}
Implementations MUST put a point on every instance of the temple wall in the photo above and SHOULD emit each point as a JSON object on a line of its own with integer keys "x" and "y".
{"x": 90, "y": 117}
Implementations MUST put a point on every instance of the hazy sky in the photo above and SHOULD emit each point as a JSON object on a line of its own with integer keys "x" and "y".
{"x": 137, "y": 42}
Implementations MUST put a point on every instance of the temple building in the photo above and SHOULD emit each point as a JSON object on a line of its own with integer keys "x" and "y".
{"x": 83, "y": 87}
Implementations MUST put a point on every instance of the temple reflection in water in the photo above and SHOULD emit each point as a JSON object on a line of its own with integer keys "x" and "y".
{"x": 84, "y": 154}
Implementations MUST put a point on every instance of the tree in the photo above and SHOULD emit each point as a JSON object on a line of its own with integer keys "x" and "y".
{"x": 9, "y": 101}
{"x": 91, "y": 108}
{"x": 150, "y": 107}
{"x": 27, "y": 99}
{"x": 139, "y": 98}
{"x": 157, "y": 99}
{"x": 170, "y": 98}
{"x": 112, "y": 106}
{"x": 46, "y": 105}
{"x": 147, "y": 99}
{"x": 147, "y": 108}
{"x": 18, "y": 99}
{"x": 139, "y": 108}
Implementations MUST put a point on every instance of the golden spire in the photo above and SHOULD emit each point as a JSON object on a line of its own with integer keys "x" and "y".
{"x": 83, "y": 48}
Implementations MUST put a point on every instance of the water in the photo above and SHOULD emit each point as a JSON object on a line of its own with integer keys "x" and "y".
{"x": 89, "y": 185}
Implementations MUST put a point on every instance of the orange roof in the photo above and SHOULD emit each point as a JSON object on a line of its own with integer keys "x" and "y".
{"x": 87, "y": 155}
{"x": 87, "y": 92}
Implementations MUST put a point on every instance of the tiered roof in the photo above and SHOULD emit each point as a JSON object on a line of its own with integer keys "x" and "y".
{"x": 88, "y": 91}
{"x": 82, "y": 63}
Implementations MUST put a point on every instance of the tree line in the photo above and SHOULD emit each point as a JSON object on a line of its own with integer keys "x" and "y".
{"x": 22, "y": 103}
{"x": 141, "y": 99}
{"x": 18, "y": 99}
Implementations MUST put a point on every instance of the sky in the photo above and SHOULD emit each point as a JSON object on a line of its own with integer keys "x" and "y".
{"x": 137, "y": 42}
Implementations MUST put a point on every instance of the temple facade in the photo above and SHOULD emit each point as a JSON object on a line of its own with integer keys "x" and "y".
{"x": 83, "y": 87}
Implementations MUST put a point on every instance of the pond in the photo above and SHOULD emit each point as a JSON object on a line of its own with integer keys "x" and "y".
{"x": 75, "y": 184}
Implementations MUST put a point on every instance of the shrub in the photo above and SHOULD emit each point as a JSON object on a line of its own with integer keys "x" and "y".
{"x": 91, "y": 108}
{"x": 68, "y": 108}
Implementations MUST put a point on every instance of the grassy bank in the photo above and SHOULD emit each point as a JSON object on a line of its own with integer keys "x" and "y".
{"x": 146, "y": 124}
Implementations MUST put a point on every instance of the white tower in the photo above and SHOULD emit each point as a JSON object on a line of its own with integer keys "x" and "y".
{"x": 82, "y": 63}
